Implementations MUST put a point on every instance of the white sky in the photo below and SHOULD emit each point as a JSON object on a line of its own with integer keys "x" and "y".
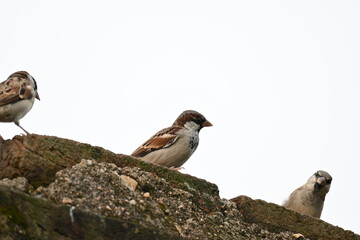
{"x": 279, "y": 80}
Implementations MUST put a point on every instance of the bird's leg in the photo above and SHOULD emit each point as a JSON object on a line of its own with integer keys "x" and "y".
{"x": 18, "y": 124}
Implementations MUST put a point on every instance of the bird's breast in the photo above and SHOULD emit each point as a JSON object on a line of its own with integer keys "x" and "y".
{"x": 193, "y": 142}
{"x": 15, "y": 111}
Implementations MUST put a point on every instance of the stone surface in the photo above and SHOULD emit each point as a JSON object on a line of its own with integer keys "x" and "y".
{"x": 25, "y": 217}
{"x": 86, "y": 192}
{"x": 129, "y": 182}
{"x": 17, "y": 184}
{"x": 98, "y": 188}
{"x": 38, "y": 158}
{"x": 278, "y": 218}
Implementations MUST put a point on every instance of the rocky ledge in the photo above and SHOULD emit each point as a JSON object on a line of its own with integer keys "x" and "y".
{"x": 55, "y": 188}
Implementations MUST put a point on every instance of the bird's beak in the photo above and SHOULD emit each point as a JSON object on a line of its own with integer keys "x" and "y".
{"x": 321, "y": 181}
{"x": 206, "y": 124}
{"x": 37, "y": 96}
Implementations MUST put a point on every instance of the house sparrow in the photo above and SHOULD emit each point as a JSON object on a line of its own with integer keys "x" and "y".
{"x": 17, "y": 96}
{"x": 309, "y": 198}
{"x": 173, "y": 146}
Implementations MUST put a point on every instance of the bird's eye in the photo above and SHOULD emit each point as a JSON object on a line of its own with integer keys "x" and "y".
{"x": 198, "y": 121}
{"x": 328, "y": 181}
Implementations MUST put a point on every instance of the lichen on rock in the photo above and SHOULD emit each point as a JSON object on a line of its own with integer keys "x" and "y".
{"x": 98, "y": 188}
{"x": 86, "y": 192}
{"x": 20, "y": 184}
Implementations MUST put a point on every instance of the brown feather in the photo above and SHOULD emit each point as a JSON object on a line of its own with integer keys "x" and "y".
{"x": 15, "y": 88}
{"x": 9, "y": 92}
{"x": 8, "y": 98}
{"x": 162, "y": 139}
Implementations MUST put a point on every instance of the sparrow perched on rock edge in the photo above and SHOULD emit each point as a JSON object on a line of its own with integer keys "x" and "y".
{"x": 173, "y": 146}
{"x": 17, "y": 96}
{"x": 309, "y": 198}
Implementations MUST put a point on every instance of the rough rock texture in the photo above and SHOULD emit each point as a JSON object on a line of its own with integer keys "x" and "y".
{"x": 96, "y": 187}
{"x": 18, "y": 184}
{"x": 85, "y": 192}
{"x": 277, "y": 218}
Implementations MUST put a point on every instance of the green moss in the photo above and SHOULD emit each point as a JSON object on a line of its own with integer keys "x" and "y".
{"x": 48, "y": 154}
{"x": 96, "y": 152}
{"x": 275, "y": 218}
{"x": 14, "y": 215}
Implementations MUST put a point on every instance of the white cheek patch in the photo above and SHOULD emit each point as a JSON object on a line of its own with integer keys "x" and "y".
{"x": 192, "y": 126}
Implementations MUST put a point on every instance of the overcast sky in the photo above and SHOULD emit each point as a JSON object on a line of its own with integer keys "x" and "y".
{"x": 279, "y": 80}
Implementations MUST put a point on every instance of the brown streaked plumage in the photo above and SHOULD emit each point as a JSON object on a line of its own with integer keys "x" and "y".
{"x": 17, "y": 96}
{"x": 173, "y": 146}
{"x": 162, "y": 139}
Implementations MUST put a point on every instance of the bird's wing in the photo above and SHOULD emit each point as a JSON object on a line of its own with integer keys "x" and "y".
{"x": 162, "y": 139}
{"x": 294, "y": 197}
{"x": 13, "y": 90}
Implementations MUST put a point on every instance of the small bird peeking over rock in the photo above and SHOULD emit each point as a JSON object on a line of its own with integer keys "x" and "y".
{"x": 309, "y": 198}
